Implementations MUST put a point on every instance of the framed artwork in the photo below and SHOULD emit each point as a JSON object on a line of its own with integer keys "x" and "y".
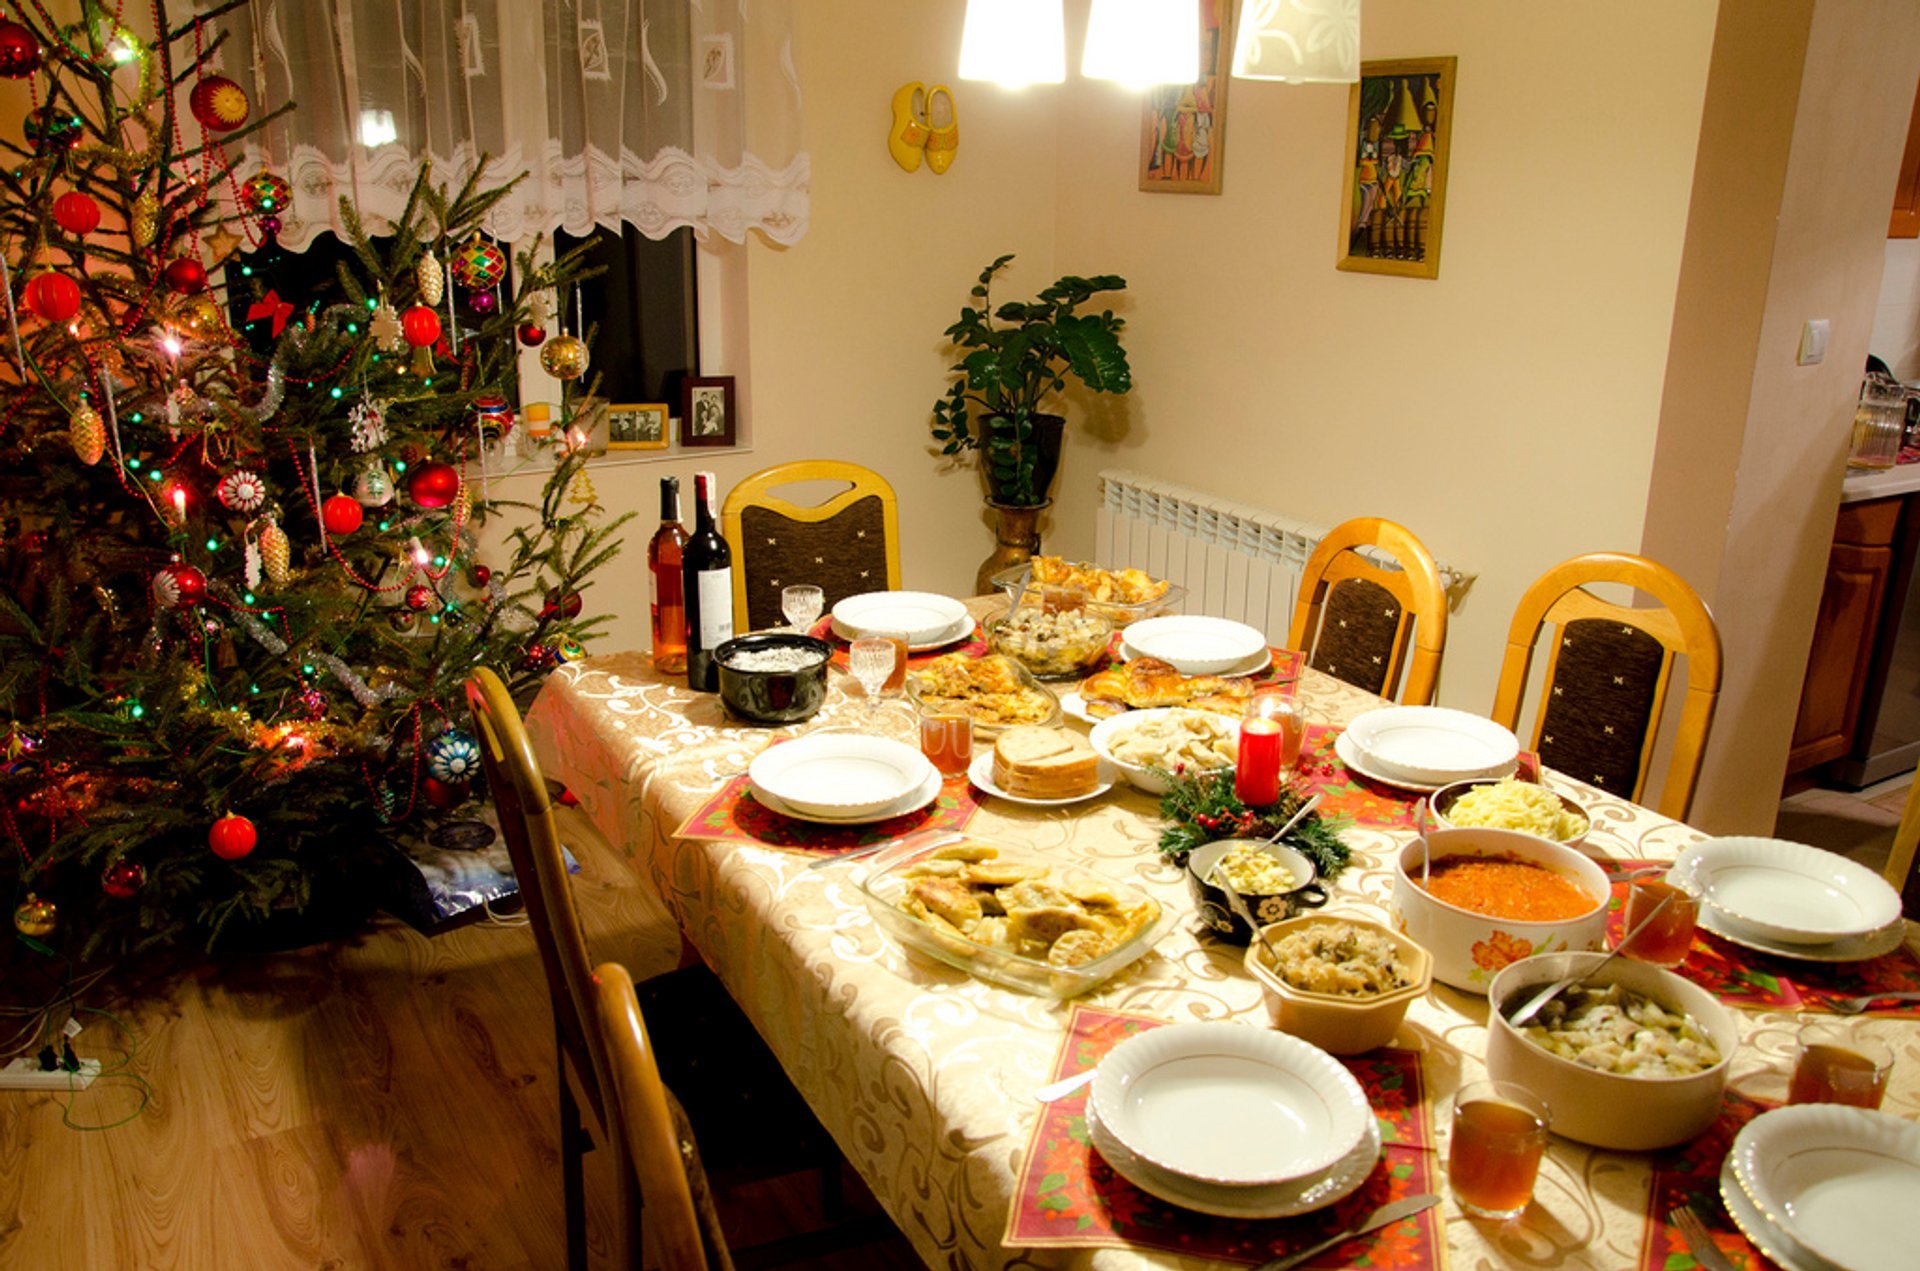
{"x": 637, "y": 427}
{"x": 1183, "y": 127}
{"x": 706, "y": 410}
{"x": 1399, "y": 124}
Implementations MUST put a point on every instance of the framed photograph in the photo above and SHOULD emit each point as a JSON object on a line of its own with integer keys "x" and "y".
{"x": 1183, "y": 127}
{"x": 706, "y": 410}
{"x": 637, "y": 427}
{"x": 1399, "y": 124}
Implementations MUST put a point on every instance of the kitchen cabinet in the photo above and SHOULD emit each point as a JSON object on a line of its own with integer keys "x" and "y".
{"x": 1851, "y": 605}
{"x": 1906, "y": 195}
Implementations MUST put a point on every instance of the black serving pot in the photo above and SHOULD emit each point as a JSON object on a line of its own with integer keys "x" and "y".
{"x": 773, "y": 697}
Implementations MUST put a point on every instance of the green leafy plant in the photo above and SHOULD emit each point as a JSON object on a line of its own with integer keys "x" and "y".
{"x": 1202, "y": 807}
{"x": 1010, "y": 359}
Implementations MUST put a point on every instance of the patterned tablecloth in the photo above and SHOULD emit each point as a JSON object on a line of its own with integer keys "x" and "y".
{"x": 925, "y": 1075}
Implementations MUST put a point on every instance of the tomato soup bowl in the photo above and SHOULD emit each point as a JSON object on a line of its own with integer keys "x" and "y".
{"x": 1470, "y": 948}
{"x": 1604, "y": 1109}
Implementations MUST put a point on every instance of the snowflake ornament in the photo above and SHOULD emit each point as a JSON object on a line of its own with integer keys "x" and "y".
{"x": 369, "y": 421}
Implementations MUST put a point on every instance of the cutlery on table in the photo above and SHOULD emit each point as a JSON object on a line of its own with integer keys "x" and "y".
{"x": 1405, "y": 1207}
{"x": 1239, "y": 904}
{"x": 1618, "y": 874}
{"x": 1540, "y": 999}
{"x": 1065, "y": 1086}
{"x": 869, "y": 851}
{"x": 1854, "y": 1005}
{"x": 1699, "y": 1239}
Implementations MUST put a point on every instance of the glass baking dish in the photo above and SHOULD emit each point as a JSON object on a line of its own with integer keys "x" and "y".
{"x": 1022, "y": 591}
{"x": 985, "y": 723}
{"x": 887, "y": 881}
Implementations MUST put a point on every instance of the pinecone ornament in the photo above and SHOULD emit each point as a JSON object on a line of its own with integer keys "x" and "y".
{"x": 88, "y": 434}
{"x": 275, "y": 553}
{"x": 432, "y": 277}
{"x": 146, "y": 219}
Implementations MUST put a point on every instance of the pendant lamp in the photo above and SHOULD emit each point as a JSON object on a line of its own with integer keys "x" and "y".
{"x": 1140, "y": 43}
{"x": 1014, "y": 42}
{"x": 1299, "y": 41}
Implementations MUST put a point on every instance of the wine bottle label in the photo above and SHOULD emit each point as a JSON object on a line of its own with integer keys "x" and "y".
{"x": 716, "y": 607}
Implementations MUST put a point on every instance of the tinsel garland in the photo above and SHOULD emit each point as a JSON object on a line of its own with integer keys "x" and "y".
{"x": 362, "y": 692}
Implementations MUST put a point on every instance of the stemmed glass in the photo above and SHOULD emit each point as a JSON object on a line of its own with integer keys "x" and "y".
{"x": 871, "y": 661}
{"x": 802, "y": 604}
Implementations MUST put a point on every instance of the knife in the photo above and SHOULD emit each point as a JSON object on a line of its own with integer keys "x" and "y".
{"x": 1384, "y": 1216}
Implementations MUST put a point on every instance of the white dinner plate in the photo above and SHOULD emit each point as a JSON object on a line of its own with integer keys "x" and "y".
{"x": 1874, "y": 944}
{"x": 1194, "y": 644}
{"x": 1251, "y": 665}
{"x": 1840, "y": 1181}
{"x": 1767, "y": 1238}
{"x": 1350, "y": 754}
{"x": 844, "y": 776}
{"x": 1788, "y": 893}
{"x": 980, "y": 772}
{"x": 1276, "y": 1200}
{"x": 913, "y": 801}
{"x": 960, "y": 630}
{"x": 920, "y": 616}
{"x": 1231, "y": 1105}
{"x": 1432, "y": 743}
{"x": 1074, "y": 706}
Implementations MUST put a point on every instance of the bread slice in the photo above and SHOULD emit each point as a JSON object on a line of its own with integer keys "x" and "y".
{"x": 1044, "y": 763}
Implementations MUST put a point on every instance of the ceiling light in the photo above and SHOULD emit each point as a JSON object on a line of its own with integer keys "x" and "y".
{"x": 1143, "y": 42}
{"x": 1299, "y": 41}
{"x": 1014, "y": 42}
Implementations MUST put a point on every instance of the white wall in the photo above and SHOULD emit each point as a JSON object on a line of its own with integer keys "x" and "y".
{"x": 1896, "y": 319}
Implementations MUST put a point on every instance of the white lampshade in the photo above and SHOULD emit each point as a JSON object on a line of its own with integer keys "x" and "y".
{"x": 1143, "y": 42}
{"x": 1014, "y": 42}
{"x": 1299, "y": 41}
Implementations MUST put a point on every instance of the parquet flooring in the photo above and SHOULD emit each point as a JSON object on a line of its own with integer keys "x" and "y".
{"x": 385, "y": 1103}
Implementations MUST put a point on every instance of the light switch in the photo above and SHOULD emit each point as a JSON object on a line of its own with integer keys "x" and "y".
{"x": 1813, "y": 342}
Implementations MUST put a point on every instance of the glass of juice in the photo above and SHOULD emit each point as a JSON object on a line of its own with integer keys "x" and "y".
{"x": 1668, "y": 937}
{"x": 1839, "y": 1063}
{"x": 947, "y": 742}
{"x": 897, "y": 678}
{"x": 1499, "y": 1135}
{"x": 1271, "y": 727}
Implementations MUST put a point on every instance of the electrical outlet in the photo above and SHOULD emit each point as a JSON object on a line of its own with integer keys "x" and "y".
{"x": 25, "y": 1073}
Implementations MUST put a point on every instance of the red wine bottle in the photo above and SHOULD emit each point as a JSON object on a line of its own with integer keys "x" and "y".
{"x": 666, "y": 594}
{"x": 706, "y": 572}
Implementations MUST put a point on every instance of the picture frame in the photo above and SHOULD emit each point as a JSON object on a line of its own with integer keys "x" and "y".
{"x": 1183, "y": 127}
{"x": 707, "y": 411}
{"x": 638, "y": 426}
{"x": 1399, "y": 130}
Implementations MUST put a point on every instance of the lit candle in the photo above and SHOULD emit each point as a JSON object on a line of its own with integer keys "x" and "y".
{"x": 1256, "y": 773}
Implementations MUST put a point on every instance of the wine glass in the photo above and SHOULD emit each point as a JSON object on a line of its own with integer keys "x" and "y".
{"x": 871, "y": 661}
{"x": 802, "y": 604}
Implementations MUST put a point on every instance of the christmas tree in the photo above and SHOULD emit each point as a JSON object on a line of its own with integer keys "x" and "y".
{"x": 240, "y": 592}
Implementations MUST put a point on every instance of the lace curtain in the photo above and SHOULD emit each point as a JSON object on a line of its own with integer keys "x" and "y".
{"x": 660, "y": 113}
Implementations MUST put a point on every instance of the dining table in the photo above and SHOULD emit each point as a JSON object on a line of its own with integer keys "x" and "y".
{"x": 925, "y": 1075}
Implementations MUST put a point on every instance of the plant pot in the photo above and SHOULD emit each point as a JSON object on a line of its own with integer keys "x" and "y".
{"x": 1049, "y": 432}
{"x": 1016, "y": 535}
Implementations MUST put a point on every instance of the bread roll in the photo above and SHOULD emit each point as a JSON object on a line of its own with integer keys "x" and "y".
{"x": 1044, "y": 763}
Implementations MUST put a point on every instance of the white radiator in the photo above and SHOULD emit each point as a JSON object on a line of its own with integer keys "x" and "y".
{"x": 1235, "y": 561}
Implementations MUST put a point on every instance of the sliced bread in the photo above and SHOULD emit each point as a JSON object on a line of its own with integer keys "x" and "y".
{"x": 1044, "y": 763}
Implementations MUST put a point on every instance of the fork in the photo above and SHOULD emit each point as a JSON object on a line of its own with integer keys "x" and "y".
{"x": 1854, "y": 1005}
{"x": 1699, "y": 1239}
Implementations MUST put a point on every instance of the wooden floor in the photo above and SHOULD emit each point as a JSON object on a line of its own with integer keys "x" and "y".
{"x": 388, "y": 1103}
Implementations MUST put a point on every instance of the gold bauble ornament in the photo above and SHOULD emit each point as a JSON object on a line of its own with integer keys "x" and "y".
{"x": 36, "y": 917}
{"x": 146, "y": 219}
{"x": 88, "y": 434}
{"x": 274, "y": 553}
{"x": 565, "y": 357}
{"x": 202, "y": 315}
{"x": 432, "y": 277}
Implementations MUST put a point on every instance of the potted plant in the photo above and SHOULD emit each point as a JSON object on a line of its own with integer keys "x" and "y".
{"x": 1011, "y": 358}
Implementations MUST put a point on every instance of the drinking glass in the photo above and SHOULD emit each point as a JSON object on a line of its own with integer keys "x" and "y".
{"x": 947, "y": 742}
{"x": 1271, "y": 727}
{"x": 1839, "y": 1063}
{"x": 897, "y": 674}
{"x": 1499, "y": 1135}
{"x": 802, "y": 604}
{"x": 871, "y": 660}
{"x": 1669, "y": 937}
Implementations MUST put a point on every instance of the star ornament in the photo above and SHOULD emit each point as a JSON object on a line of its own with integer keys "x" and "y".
{"x": 221, "y": 244}
{"x": 272, "y": 308}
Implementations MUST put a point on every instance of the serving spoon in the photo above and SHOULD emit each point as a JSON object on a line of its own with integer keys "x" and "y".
{"x": 1540, "y": 999}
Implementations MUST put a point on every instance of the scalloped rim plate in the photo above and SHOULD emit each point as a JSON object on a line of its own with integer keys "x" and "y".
{"x": 1787, "y": 892}
{"x": 1252, "y": 664}
{"x": 1349, "y": 753}
{"x": 1875, "y": 944}
{"x": 1838, "y": 1181}
{"x": 919, "y": 797}
{"x": 921, "y": 616}
{"x": 839, "y": 775}
{"x": 1432, "y": 743}
{"x": 1776, "y": 1244}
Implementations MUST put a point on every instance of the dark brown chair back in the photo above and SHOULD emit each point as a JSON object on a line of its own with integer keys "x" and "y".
{"x": 1355, "y": 620}
{"x": 847, "y": 545}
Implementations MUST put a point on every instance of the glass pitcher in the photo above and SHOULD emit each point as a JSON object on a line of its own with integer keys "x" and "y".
{"x": 1879, "y": 424}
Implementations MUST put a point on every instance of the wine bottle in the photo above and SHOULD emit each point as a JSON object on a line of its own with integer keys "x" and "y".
{"x": 706, "y": 573}
{"x": 666, "y": 593}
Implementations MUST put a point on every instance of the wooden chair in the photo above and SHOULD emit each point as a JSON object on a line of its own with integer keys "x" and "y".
{"x": 1355, "y": 619}
{"x": 1608, "y": 674}
{"x": 1900, "y": 863}
{"x": 847, "y": 545}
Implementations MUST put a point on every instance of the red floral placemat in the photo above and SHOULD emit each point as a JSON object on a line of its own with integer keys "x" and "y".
{"x": 1690, "y": 1174}
{"x": 973, "y": 646}
{"x": 1345, "y": 792}
{"x": 1746, "y": 977}
{"x": 735, "y": 816}
{"x": 1067, "y": 1196}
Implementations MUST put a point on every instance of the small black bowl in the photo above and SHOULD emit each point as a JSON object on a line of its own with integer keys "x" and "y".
{"x": 1216, "y": 911}
{"x": 773, "y": 697}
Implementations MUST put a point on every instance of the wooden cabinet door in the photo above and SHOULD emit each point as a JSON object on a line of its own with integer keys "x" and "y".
{"x": 1842, "y": 645}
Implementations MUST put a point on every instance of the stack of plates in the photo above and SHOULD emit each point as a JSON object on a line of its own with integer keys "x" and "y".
{"x": 925, "y": 619}
{"x": 1790, "y": 899}
{"x": 1819, "y": 1186}
{"x": 1426, "y": 747}
{"x": 1196, "y": 645}
{"x": 843, "y": 779}
{"x": 1234, "y": 1121}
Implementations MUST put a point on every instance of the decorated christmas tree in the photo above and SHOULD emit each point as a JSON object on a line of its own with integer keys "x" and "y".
{"x": 238, "y": 526}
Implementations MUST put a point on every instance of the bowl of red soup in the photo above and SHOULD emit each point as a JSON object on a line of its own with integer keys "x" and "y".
{"x": 1479, "y": 900}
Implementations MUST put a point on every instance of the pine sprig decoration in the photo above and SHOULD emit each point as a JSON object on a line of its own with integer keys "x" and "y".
{"x": 1202, "y": 807}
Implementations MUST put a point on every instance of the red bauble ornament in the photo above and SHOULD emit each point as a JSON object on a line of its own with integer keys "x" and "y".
{"x": 557, "y": 605}
{"x": 341, "y": 514}
{"x": 419, "y": 597}
{"x": 442, "y": 794}
{"x": 76, "y": 213}
{"x": 532, "y": 334}
{"x": 232, "y": 837}
{"x": 185, "y": 275}
{"x": 219, "y": 103}
{"x": 480, "y": 575}
{"x": 20, "y": 53}
{"x": 55, "y": 297}
{"x": 179, "y": 587}
{"x": 421, "y": 326}
{"x": 123, "y": 879}
{"x": 433, "y": 485}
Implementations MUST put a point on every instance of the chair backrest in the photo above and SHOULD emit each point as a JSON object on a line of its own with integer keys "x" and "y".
{"x": 526, "y": 821}
{"x": 1901, "y": 871}
{"x": 1608, "y": 674}
{"x": 649, "y": 1131}
{"x": 1355, "y": 620}
{"x": 846, "y": 545}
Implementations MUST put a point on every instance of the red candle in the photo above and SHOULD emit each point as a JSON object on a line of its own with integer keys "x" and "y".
{"x": 1256, "y": 772}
